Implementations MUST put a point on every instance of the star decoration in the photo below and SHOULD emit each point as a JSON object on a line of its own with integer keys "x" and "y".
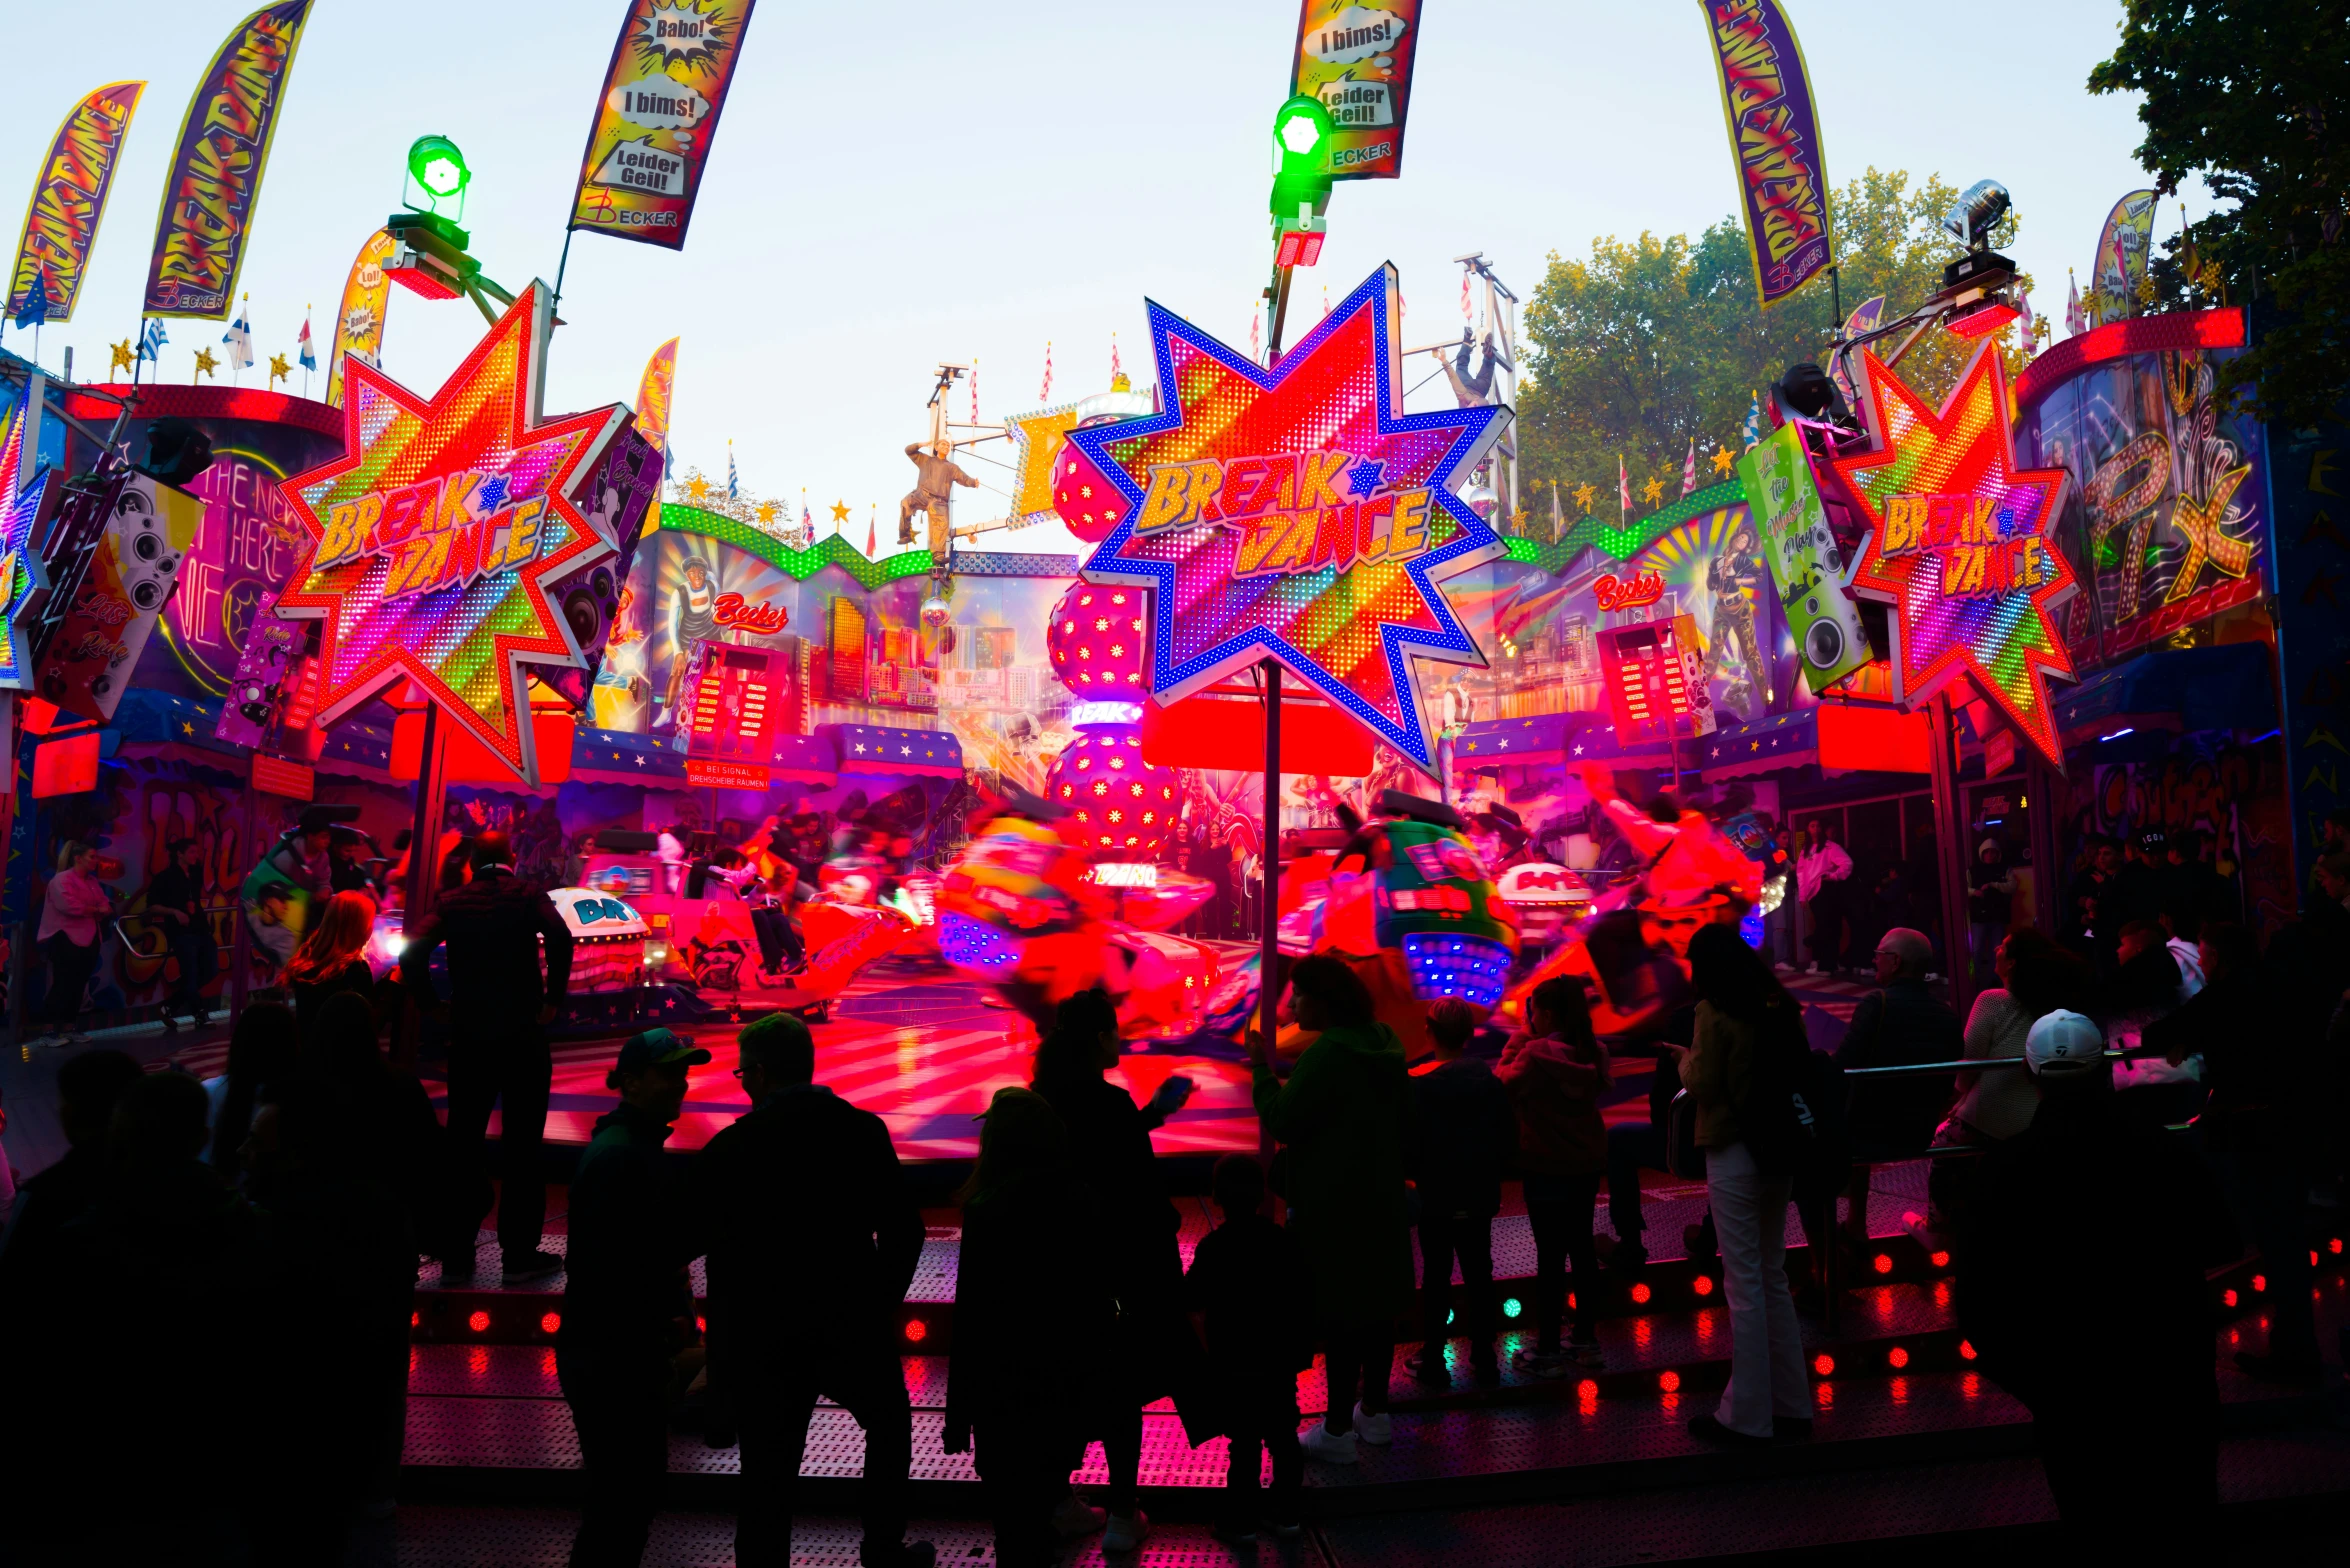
{"x": 1036, "y": 447}
{"x": 697, "y": 489}
{"x": 1654, "y": 491}
{"x": 22, "y": 504}
{"x": 187, "y": 728}
{"x": 840, "y": 513}
{"x": 279, "y": 367}
{"x": 1296, "y": 570}
{"x": 1966, "y": 562}
{"x": 1365, "y": 479}
{"x": 206, "y": 365}
{"x": 1584, "y": 496}
{"x": 766, "y": 511}
{"x": 429, "y": 469}
{"x": 1723, "y": 460}
{"x": 125, "y": 357}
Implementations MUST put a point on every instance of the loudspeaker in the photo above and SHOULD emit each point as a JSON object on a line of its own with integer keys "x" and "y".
{"x": 147, "y": 561}
{"x": 176, "y": 452}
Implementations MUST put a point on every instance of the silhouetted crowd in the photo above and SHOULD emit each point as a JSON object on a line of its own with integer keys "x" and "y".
{"x": 213, "y": 1289}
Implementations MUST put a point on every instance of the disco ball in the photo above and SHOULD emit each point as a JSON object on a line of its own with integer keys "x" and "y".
{"x": 1095, "y": 639}
{"x": 1115, "y": 800}
{"x": 936, "y": 612}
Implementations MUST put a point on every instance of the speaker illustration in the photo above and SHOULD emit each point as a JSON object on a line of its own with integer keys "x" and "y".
{"x": 614, "y": 498}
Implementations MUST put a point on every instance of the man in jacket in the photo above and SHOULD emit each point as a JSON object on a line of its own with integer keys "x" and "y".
{"x": 813, "y": 1241}
{"x": 2078, "y": 1212}
{"x": 1463, "y": 1134}
{"x": 1903, "y": 1024}
{"x": 625, "y": 1293}
{"x": 175, "y": 904}
{"x": 498, "y": 1010}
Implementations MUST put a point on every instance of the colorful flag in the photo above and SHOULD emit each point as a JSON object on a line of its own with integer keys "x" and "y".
{"x": 651, "y": 133}
{"x": 1558, "y": 521}
{"x": 1623, "y": 486}
{"x": 975, "y": 389}
{"x": 152, "y": 340}
{"x": 1689, "y": 468}
{"x": 2121, "y": 259}
{"x": 1044, "y": 394}
{"x": 69, "y": 197}
{"x": 309, "y": 354}
{"x": 653, "y": 391}
{"x": 1753, "y": 433}
{"x": 239, "y": 337}
{"x": 216, "y": 168}
{"x": 2076, "y": 319}
{"x": 1356, "y": 56}
{"x": 733, "y": 489}
{"x": 872, "y": 541}
{"x": 1256, "y": 335}
{"x": 359, "y": 323}
{"x": 35, "y": 309}
{"x": 1775, "y": 141}
{"x": 1116, "y": 369}
{"x": 1866, "y": 317}
{"x": 2023, "y": 312}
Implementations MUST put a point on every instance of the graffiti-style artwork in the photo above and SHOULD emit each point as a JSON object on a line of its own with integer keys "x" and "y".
{"x": 687, "y": 590}
{"x": 2164, "y": 519}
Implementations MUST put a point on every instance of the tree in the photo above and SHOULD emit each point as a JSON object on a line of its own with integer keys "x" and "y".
{"x": 1653, "y": 343}
{"x": 2254, "y": 96}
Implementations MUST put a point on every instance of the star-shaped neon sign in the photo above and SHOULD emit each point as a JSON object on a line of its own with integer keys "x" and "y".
{"x": 21, "y": 506}
{"x": 1960, "y": 546}
{"x": 1239, "y": 505}
{"x": 431, "y": 542}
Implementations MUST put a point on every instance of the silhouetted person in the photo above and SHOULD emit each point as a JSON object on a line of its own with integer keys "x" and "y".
{"x": 1555, "y": 1070}
{"x": 2080, "y": 1213}
{"x": 175, "y": 906}
{"x": 88, "y": 1085}
{"x": 262, "y": 1049}
{"x": 1032, "y": 1311}
{"x": 1464, "y": 1135}
{"x": 813, "y": 1241}
{"x": 339, "y": 1243}
{"x": 1134, "y": 1226}
{"x": 625, "y": 1294}
{"x": 332, "y": 958}
{"x": 1249, "y": 1289}
{"x": 1900, "y": 1025}
{"x": 2259, "y": 1065}
{"x": 1341, "y": 1114}
{"x": 497, "y": 1015}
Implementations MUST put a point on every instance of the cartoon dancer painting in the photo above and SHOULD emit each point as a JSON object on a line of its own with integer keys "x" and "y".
{"x": 693, "y": 618}
{"x": 1732, "y": 578}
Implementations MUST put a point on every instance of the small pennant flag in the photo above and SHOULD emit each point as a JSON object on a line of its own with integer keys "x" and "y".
{"x": 1623, "y": 486}
{"x": 1753, "y": 433}
{"x": 733, "y": 489}
{"x": 1044, "y": 394}
{"x": 1116, "y": 369}
{"x": 36, "y": 302}
{"x": 239, "y": 337}
{"x": 308, "y": 355}
{"x": 152, "y": 340}
{"x": 975, "y": 389}
{"x": 1689, "y": 468}
{"x": 2076, "y": 320}
{"x": 872, "y": 538}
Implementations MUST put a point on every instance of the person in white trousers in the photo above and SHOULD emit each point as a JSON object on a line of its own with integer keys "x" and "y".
{"x": 1742, "y": 1006}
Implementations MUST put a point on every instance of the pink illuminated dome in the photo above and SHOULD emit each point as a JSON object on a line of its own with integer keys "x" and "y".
{"x": 1095, "y": 639}
{"x": 1119, "y": 803}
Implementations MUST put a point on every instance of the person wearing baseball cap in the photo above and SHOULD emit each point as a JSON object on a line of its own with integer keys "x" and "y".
{"x": 625, "y": 1293}
{"x": 2089, "y": 1218}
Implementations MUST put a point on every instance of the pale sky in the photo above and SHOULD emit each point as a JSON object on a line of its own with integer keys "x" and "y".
{"x": 894, "y": 188}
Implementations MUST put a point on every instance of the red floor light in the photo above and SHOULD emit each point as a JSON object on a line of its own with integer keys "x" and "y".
{"x": 2259, "y": 1283}
{"x": 1883, "y": 1263}
{"x": 1940, "y": 1260}
{"x": 1703, "y": 1284}
{"x": 1640, "y": 1292}
{"x": 917, "y": 1331}
{"x": 1897, "y": 1357}
{"x": 1966, "y": 1350}
{"x": 551, "y": 1323}
{"x": 1587, "y": 1391}
{"x": 479, "y": 1322}
{"x": 1823, "y": 1364}
{"x": 415, "y": 1318}
{"x": 701, "y": 1325}
{"x": 1670, "y": 1382}
{"x": 2227, "y": 1298}
{"x": 2335, "y": 1246}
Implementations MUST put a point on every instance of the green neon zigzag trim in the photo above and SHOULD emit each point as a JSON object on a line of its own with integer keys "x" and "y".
{"x": 1625, "y": 540}
{"x": 831, "y": 550}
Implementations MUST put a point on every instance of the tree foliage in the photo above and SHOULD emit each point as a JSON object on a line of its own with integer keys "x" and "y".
{"x": 2254, "y": 96}
{"x": 1653, "y": 343}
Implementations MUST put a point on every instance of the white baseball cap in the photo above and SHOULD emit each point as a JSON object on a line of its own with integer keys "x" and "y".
{"x": 2062, "y": 1042}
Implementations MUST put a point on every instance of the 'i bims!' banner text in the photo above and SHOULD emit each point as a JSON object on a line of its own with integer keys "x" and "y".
{"x": 1775, "y": 136}
{"x": 1357, "y": 58}
{"x": 214, "y": 181}
{"x": 69, "y": 197}
{"x": 654, "y": 125}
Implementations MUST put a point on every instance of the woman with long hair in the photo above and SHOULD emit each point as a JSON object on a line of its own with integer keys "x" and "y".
{"x": 332, "y": 958}
{"x": 1340, "y": 1116}
{"x": 1031, "y": 1315}
{"x": 70, "y": 911}
{"x": 1747, "y": 1032}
